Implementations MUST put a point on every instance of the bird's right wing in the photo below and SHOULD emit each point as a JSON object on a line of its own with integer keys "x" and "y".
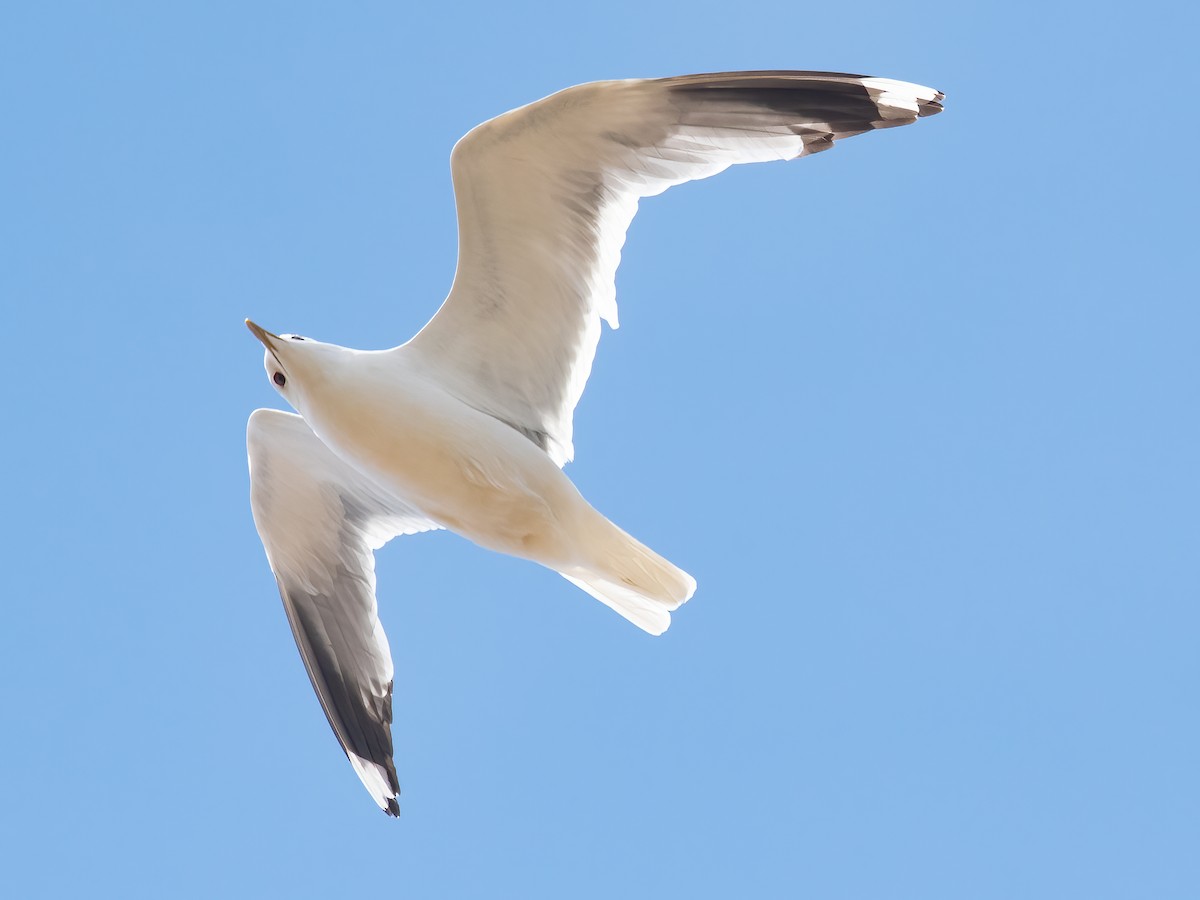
{"x": 319, "y": 521}
{"x": 546, "y": 192}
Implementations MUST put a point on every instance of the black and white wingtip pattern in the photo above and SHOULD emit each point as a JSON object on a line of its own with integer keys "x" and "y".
{"x": 360, "y": 717}
{"x": 903, "y": 101}
{"x": 380, "y": 780}
{"x": 819, "y": 107}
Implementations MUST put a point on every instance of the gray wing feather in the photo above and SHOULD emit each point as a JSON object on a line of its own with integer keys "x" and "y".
{"x": 319, "y": 521}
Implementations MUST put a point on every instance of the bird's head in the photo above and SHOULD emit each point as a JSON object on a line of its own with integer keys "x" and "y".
{"x": 292, "y": 362}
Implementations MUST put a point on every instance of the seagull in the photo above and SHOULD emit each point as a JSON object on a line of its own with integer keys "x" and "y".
{"x": 467, "y": 426}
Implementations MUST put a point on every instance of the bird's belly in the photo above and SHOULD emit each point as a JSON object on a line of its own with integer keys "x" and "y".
{"x": 469, "y": 472}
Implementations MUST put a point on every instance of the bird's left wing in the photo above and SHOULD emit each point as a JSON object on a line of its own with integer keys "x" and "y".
{"x": 546, "y": 192}
{"x": 319, "y": 521}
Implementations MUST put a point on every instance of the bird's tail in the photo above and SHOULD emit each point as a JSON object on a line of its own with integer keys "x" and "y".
{"x": 631, "y": 579}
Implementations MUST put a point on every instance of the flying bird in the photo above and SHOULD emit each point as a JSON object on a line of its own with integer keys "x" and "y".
{"x": 467, "y": 426}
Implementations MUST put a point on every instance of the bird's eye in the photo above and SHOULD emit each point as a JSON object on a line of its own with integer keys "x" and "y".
{"x": 279, "y": 379}
{"x": 296, "y": 337}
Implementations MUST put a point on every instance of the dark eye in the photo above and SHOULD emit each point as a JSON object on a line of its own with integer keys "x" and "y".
{"x": 279, "y": 379}
{"x": 296, "y": 337}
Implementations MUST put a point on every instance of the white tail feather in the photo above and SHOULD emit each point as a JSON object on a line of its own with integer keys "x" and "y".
{"x": 635, "y": 582}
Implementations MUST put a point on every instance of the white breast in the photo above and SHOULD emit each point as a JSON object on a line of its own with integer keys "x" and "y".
{"x": 464, "y": 469}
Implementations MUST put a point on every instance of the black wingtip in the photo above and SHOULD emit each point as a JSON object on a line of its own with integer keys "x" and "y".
{"x": 930, "y": 107}
{"x": 392, "y": 808}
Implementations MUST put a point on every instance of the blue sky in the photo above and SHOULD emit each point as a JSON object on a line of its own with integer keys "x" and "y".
{"x": 919, "y": 414}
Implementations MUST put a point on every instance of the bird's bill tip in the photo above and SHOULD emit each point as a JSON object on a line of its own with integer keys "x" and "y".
{"x": 261, "y": 333}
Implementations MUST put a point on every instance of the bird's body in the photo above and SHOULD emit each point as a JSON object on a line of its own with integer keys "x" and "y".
{"x": 462, "y": 469}
{"x": 472, "y": 474}
{"x": 467, "y": 426}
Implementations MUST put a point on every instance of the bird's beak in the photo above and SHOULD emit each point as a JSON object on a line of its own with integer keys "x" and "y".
{"x": 263, "y": 335}
{"x": 270, "y": 341}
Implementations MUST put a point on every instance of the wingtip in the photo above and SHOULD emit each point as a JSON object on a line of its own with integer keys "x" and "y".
{"x": 931, "y": 107}
{"x": 392, "y": 808}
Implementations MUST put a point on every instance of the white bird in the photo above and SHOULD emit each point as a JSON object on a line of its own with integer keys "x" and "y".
{"x": 466, "y": 426}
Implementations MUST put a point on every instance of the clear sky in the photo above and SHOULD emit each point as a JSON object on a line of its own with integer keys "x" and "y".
{"x": 920, "y": 415}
